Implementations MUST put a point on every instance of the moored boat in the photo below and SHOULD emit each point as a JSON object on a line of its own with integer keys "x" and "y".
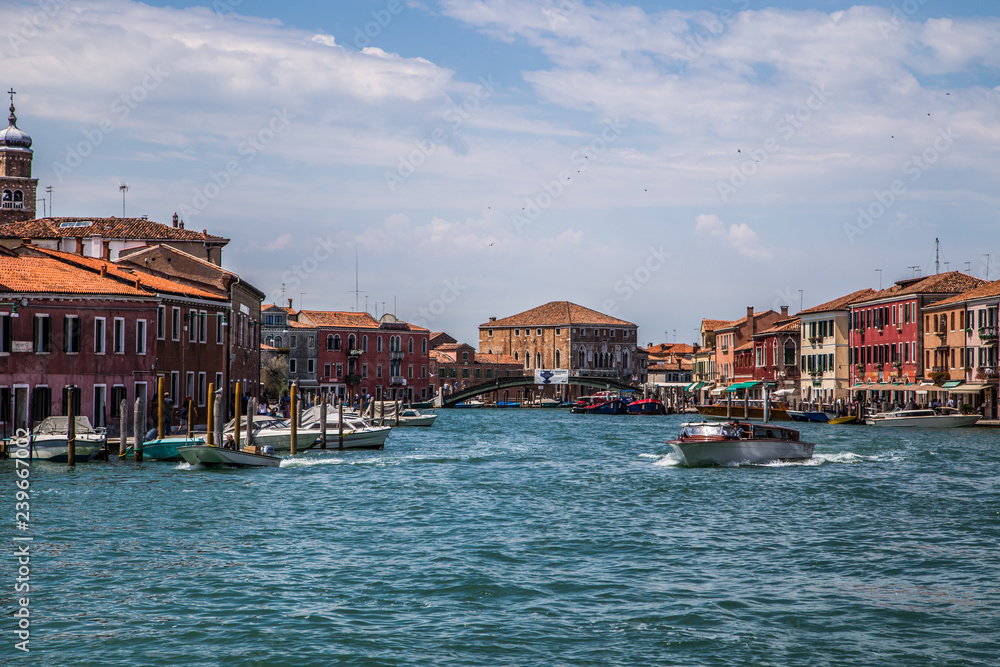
{"x": 165, "y": 449}
{"x": 808, "y": 416}
{"x": 734, "y": 442}
{"x": 49, "y": 440}
{"x": 925, "y": 418}
{"x": 647, "y": 406}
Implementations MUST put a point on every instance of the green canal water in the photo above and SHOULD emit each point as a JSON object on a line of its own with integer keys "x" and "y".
{"x": 520, "y": 537}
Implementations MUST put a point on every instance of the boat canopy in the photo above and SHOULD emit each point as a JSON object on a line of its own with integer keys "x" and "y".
{"x": 60, "y": 424}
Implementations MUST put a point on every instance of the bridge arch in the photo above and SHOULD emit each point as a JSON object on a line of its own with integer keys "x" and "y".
{"x": 501, "y": 384}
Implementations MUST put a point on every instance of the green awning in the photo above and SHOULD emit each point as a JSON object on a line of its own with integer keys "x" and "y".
{"x": 951, "y": 383}
{"x": 743, "y": 385}
{"x": 734, "y": 387}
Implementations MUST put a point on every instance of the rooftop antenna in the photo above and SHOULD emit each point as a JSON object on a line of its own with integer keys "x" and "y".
{"x": 879, "y": 272}
{"x": 357, "y": 300}
{"x": 968, "y": 268}
{"x": 914, "y": 269}
{"x": 301, "y": 300}
{"x": 48, "y": 189}
{"x": 937, "y": 256}
{"x": 123, "y": 187}
{"x": 282, "y": 304}
{"x": 987, "y": 256}
{"x": 800, "y": 301}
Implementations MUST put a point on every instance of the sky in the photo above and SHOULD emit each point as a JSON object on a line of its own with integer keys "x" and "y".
{"x": 453, "y": 160}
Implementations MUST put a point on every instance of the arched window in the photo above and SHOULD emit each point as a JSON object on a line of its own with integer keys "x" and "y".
{"x": 410, "y": 345}
{"x": 583, "y": 359}
{"x": 527, "y": 359}
{"x": 18, "y": 199}
{"x": 625, "y": 359}
{"x": 329, "y": 341}
{"x": 336, "y": 342}
{"x": 269, "y": 341}
{"x": 515, "y": 356}
{"x": 8, "y": 199}
{"x": 364, "y": 343}
{"x": 378, "y": 344}
{"x": 538, "y": 359}
{"x": 351, "y": 342}
{"x": 277, "y": 341}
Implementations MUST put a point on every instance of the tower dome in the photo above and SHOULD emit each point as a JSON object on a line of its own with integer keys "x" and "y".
{"x": 12, "y": 137}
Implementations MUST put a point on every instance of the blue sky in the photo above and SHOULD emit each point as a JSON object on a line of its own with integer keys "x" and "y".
{"x": 662, "y": 162}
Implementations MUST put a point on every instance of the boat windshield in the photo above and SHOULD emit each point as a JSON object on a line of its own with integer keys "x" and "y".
{"x": 690, "y": 430}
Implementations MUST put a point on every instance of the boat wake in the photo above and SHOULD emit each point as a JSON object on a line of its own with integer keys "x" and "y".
{"x": 297, "y": 462}
{"x": 672, "y": 459}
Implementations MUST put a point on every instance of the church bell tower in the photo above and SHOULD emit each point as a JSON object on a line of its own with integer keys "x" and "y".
{"x": 18, "y": 189}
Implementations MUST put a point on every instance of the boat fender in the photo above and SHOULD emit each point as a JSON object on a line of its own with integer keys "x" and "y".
{"x": 268, "y": 450}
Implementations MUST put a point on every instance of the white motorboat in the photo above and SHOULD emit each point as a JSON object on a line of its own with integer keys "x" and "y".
{"x": 925, "y": 418}
{"x": 409, "y": 417}
{"x": 732, "y": 443}
{"x": 359, "y": 433}
{"x": 49, "y": 439}
{"x": 213, "y": 457}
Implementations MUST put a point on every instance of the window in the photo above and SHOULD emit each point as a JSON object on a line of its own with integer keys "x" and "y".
{"x": 175, "y": 328}
{"x": 340, "y": 370}
{"x": 189, "y": 388}
{"x": 220, "y": 323}
{"x": 41, "y": 403}
{"x": 310, "y": 366}
{"x": 558, "y": 364}
{"x": 202, "y": 388}
{"x": 203, "y": 326}
{"x": 43, "y": 334}
{"x": 100, "y": 335}
{"x": 364, "y": 370}
{"x": 175, "y": 387}
{"x": 291, "y": 365}
{"x": 409, "y": 347}
{"x": 489, "y": 333}
{"x": 161, "y": 322}
{"x": 326, "y": 370}
{"x": 118, "y": 344}
{"x": 465, "y": 372}
{"x": 311, "y": 341}
{"x": 538, "y": 332}
{"x": 378, "y": 345}
{"x": 558, "y": 332}
{"x": 352, "y": 342}
{"x": 218, "y": 382}
{"x": 378, "y": 368}
{"x": 612, "y": 333}
{"x": 423, "y": 372}
{"x": 489, "y": 373}
{"x": 336, "y": 342}
{"x": 409, "y": 370}
{"x": 118, "y": 394}
{"x": 5, "y": 337}
{"x": 140, "y": 336}
{"x": 423, "y": 346}
{"x": 192, "y": 324}
{"x": 538, "y": 359}
{"x": 294, "y": 341}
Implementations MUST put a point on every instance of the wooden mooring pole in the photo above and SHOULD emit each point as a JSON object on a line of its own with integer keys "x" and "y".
{"x": 340, "y": 426}
{"x": 71, "y": 436}
{"x": 210, "y": 417}
{"x": 294, "y": 403}
{"x": 138, "y": 428}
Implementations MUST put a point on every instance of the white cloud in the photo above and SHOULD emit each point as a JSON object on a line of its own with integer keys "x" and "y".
{"x": 739, "y": 237}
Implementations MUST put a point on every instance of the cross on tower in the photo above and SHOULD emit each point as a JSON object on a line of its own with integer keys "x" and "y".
{"x": 12, "y": 93}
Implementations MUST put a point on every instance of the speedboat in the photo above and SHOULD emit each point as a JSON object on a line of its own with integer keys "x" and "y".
{"x": 926, "y": 418}
{"x": 733, "y": 442}
{"x": 359, "y": 433}
{"x": 720, "y": 410}
{"x": 808, "y": 416}
{"x": 50, "y": 439}
{"x": 647, "y": 406}
{"x": 214, "y": 457}
{"x": 412, "y": 417}
{"x": 165, "y": 449}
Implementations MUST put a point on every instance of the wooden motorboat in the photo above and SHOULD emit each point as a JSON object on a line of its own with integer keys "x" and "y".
{"x": 213, "y": 457}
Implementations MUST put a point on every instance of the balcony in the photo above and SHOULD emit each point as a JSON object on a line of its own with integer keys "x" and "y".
{"x": 354, "y": 353}
{"x": 397, "y": 380}
{"x": 986, "y": 372}
{"x": 988, "y": 335}
{"x": 395, "y": 355}
{"x": 938, "y": 369}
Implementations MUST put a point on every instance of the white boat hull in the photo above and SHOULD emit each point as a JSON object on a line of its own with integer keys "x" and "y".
{"x": 56, "y": 448}
{"x": 217, "y": 456}
{"x": 373, "y": 438}
{"x": 281, "y": 439}
{"x": 935, "y": 421}
{"x": 735, "y": 452}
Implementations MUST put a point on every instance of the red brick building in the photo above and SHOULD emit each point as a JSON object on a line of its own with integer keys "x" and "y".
{"x": 457, "y": 365}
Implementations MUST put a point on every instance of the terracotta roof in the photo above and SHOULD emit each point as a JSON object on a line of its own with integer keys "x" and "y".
{"x": 556, "y": 313}
{"x": 840, "y": 304}
{"x": 108, "y": 228}
{"x": 45, "y": 275}
{"x": 498, "y": 359}
{"x": 783, "y": 326}
{"x": 300, "y": 325}
{"x": 442, "y": 356}
{"x": 342, "y": 319}
{"x": 451, "y": 347}
{"x": 735, "y": 324}
{"x": 941, "y": 283}
{"x": 744, "y": 346}
{"x": 157, "y": 249}
{"x": 150, "y": 282}
{"x": 670, "y": 348}
{"x": 981, "y": 292}
{"x": 712, "y": 325}
{"x": 679, "y": 365}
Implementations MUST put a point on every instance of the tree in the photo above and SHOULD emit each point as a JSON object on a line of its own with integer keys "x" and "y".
{"x": 273, "y": 373}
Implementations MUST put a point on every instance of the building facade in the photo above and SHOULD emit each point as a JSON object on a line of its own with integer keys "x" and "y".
{"x": 564, "y": 335}
{"x": 734, "y": 337}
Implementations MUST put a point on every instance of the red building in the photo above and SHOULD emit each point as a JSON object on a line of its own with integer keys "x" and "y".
{"x": 359, "y": 355}
{"x": 77, "y": 321}
{"x": 455, "y": 366}
{"x": 886, "y": 329}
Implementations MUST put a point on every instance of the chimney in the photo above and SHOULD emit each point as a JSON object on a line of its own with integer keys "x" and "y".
{"x": 79, "y": 246}
{"x": 104, "y": 270}
{"x": 175, "y": 220}
{"x": 182, "y": 224}
{"x": 784, "y": 311}
{"x": 751, "y": 325}
{"x": 106, "y": 253}
{"x": 493, "y": 319}
{"x": 289, "y": 303}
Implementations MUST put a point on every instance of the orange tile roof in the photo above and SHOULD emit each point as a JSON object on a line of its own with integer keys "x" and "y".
{"x": 108, "y": 228}
{"x": 982, "y": 292}
{"x": 44, "y": 275}
{"x": 150, "y": 282}
{"x": 678, "y": 365}
{"x": 735, "y": 324}
{"x": 341, "y": 319}
{"x": 498, "y": 359}
{"x": 785, "y": 326}
{"x": 841, "y": 303}
{"x": 712, "y": 325}
{"x": 556, "y": 313}
{"x": 941, "y": 283}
